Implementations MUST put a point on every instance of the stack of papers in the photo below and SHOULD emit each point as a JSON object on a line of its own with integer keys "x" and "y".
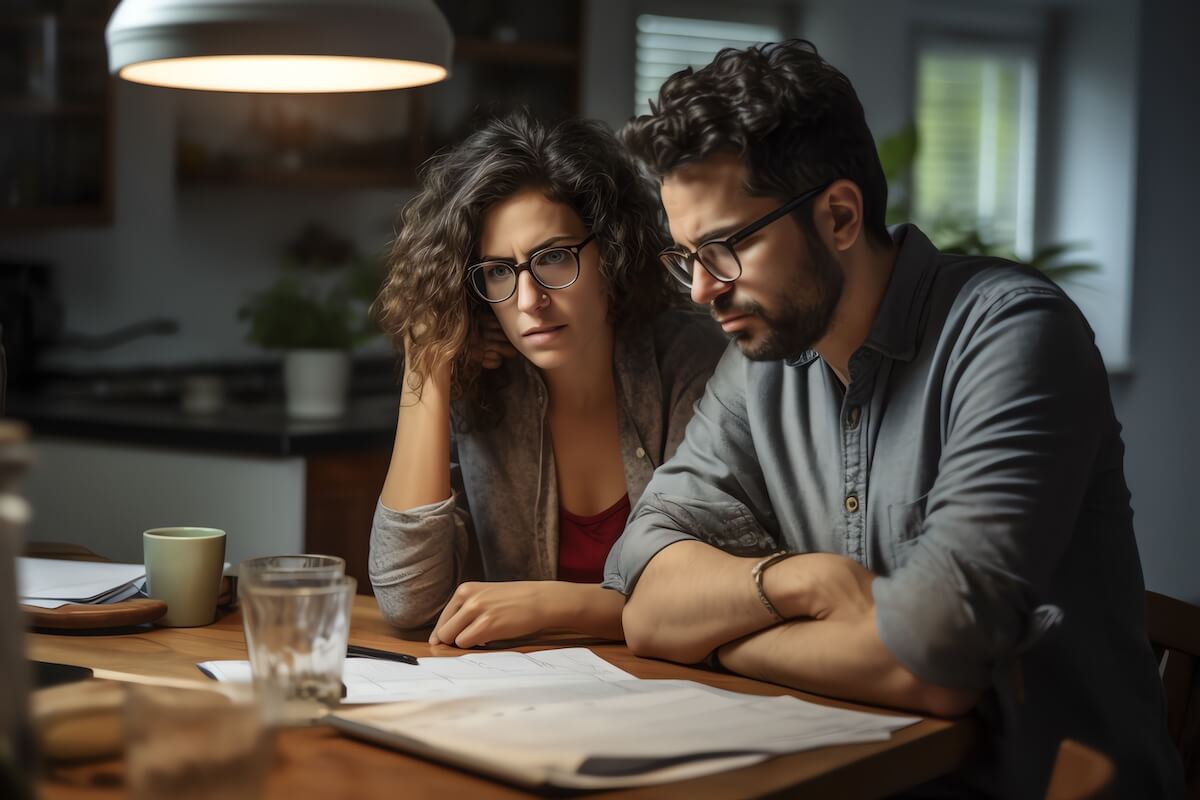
{"x": 568, "y": 718}
{"x": 51, "y": 583}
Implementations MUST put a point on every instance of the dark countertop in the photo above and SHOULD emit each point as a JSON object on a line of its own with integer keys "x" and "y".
{"x": 257, "y": 427}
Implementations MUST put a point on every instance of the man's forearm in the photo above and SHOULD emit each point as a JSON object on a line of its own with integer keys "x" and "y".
{"x": 840, "y": 658}
{"x": 692, "y": 598}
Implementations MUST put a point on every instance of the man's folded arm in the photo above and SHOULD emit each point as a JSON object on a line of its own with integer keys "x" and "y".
{"x": 687, "y": 594}
{"x": 831, "y": 644}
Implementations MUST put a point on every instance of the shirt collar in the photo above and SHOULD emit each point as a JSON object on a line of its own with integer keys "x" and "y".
{"x": 897, "y": 327}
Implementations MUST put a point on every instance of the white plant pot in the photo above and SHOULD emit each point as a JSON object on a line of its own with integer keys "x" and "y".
{"x": 316, "y": 383}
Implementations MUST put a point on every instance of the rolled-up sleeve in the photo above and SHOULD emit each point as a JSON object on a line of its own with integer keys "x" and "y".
{"x": 704, "y": 492}
{"x": 1025, "y": 410}
{"x": 418, "y": 557}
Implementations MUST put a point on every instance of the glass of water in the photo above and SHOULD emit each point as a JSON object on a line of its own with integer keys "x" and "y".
{"x": 195, "y": 744}
{"x": 291, "y": 566}
{"x": 296, "y": 632}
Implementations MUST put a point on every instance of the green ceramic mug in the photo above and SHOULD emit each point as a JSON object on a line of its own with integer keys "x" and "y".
{"x": 183, "y": 569}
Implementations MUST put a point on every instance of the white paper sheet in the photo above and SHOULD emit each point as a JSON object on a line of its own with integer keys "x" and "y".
{"x": 372, "y": 680}
{"x": 73, "y": 581}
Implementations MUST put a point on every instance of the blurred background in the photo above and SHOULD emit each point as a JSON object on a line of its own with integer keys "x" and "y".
{"x": 144, "y": 232}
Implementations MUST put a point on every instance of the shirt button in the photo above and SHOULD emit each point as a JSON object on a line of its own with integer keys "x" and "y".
{"x": 641, "y": 452}
{"x": 852, "y": 417}
{"x": 852, "y": 504}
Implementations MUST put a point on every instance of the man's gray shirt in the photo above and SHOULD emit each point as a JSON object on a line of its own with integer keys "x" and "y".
{"x": 974, "y": 463}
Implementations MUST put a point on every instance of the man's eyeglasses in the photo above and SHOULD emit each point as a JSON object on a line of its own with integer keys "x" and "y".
{"x": 719, "y": 256}
{"x": 554, "y": 267}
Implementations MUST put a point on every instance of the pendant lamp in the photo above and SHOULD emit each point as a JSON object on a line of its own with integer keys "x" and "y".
{"x": 279, "y": 45}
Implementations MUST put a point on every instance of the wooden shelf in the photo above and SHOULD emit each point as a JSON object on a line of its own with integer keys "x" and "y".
{"x": 25, "y": 217}
{"x": 50, "y": 108}
{"x": 304, "y": 178}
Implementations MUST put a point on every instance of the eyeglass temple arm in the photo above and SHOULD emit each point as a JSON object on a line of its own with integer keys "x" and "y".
{"x": 786, "y": 208}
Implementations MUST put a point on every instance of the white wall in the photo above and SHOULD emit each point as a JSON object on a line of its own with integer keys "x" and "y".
{"x": 1157, "y": 400}
{"x": 104, "y": 495}
{"x": 1092, "y": 148}
{"x": 608, "y": 61}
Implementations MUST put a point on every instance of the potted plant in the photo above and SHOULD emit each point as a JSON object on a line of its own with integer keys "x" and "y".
{"x": 897, "y": 154}
{"x": 316, "y": 313}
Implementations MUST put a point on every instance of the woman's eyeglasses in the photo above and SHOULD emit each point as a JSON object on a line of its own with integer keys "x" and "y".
{"x": 719, "y": 257}
{"x": 554, "y": 267}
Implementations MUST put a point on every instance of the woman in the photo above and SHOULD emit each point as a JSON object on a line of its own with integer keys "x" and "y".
{"x": 549, "y": 367}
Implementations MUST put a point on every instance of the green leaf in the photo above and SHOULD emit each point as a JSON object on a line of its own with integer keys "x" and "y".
{"x": 321, "y": 299}
{"x": 897, "y": 152}
{"x": 1059, "y": 272}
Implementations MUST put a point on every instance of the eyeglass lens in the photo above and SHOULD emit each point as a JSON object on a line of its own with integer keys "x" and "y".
{"x": 555, "y": 268}
{"x": 718, "y": 257}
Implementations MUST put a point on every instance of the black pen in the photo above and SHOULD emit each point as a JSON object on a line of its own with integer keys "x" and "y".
{"x": 384, "y": 655}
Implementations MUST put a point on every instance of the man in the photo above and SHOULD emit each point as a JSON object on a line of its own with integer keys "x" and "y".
{"x": 932, "y": 434}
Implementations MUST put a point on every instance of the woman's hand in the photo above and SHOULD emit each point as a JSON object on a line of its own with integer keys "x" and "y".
{"x": 479, "y": 613}
{"x": 491, "y": 346}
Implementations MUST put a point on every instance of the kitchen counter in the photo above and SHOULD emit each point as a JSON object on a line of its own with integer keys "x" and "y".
{"x": 257, "y": 426}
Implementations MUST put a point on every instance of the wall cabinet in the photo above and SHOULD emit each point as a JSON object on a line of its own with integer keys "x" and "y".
{"x": 340, "y": 493}
{"x": 56, "y": 122}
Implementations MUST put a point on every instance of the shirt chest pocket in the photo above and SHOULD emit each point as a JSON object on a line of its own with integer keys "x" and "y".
{"x": 906, "y": 521}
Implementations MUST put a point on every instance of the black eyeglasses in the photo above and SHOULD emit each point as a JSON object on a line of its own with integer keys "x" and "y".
{"x": 555, "y": 267}
{"x": 719, "y": 256}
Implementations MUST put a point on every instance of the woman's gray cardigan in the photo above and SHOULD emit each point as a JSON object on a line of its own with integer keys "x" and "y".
{"x": 501, "y": 522}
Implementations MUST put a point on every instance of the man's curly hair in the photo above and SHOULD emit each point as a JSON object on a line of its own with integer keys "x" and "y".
{"x": 794, "y": 119}
{"x": 579, "y": 163}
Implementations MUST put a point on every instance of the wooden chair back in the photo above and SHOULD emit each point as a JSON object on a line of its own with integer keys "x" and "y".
{"x": 1080, "y": 773}
{"x": 1174, "y": 628}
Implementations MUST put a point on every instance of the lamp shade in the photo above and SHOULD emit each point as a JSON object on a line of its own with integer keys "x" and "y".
{"x": 279, "y": 45}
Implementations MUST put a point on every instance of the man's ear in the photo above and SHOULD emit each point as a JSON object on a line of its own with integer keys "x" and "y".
{"x": 838, "y": 214}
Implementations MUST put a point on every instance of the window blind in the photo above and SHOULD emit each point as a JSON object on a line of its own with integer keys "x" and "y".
{"x": 666, "y": 45}
{"x": 976, "y": 121}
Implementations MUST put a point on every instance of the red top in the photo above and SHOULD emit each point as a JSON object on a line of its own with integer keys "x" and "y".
{"x": 584, "y": 542}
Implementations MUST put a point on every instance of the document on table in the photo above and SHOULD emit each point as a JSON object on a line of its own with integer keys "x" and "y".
{"x": 372, "y": 680}
{"x": 605, "y": 734}
{"x": 568, "y": 718}
{"x": 51, "y": 583}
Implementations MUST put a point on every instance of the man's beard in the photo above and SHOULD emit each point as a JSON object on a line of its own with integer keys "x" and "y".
{"x": 805, "y": 311}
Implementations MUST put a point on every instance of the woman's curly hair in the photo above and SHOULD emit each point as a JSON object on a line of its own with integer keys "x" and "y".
{"x": 794, "y": 119}
{"x": 579, "y": 163}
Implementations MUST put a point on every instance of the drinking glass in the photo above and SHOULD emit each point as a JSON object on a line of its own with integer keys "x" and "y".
{"x": 296, "y": 633}
{"x": 195, "y": 744}
{"x": 291, "y": 566}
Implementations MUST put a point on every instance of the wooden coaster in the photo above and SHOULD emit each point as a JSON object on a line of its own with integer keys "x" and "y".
{"x": 78, "y": 617}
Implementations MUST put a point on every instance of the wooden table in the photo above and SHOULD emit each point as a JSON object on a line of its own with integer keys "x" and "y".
{"x": 318, "y": 763}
